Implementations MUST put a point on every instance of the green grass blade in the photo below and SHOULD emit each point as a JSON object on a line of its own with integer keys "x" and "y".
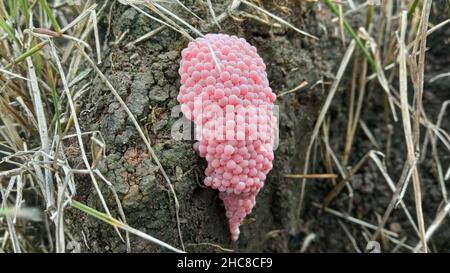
{"x": 7, "y": 28}
{"x": 25, "y": 9}
{"x": 30, "y": 52}
{"x": 50, "y": 15}
{"x": 352, "y": 33}
{"x": 412, "y": 8}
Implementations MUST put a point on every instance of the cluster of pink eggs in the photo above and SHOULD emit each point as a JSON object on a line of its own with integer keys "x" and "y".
{"x": 225, "y": 91}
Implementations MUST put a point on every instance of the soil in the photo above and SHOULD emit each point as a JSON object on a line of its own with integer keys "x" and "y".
{"x": 371, "y": 194}
{"x": 145, "y": 75}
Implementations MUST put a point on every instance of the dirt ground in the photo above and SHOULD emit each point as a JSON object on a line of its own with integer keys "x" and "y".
{"x": 145, "y": 75}
{"x": 371, "y": 193}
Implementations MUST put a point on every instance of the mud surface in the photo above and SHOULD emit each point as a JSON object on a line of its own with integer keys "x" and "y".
{"x": 145, "y": 75}
{"x": 371, "y": 194}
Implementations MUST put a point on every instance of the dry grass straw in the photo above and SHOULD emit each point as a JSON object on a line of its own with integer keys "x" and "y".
{"x": 40, "y": 96}
{"x": 39, "y": 110}
{"x": 398, "y": 44}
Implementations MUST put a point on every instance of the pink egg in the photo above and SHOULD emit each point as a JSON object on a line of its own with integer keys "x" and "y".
{"x": 249, "y": 182}
{"x": 234, "y": 180}
{"x": 225, "y": 76}
{"x": 237, "y": 170}
{"x": 218, "y": 94}
{"x": 228, "y": 150}
{"x": 231, "y": 165}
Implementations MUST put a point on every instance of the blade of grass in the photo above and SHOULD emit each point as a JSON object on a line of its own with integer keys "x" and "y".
{"x": 412, "y": 8}
{"x": 73, "y": 113}
{"x": 347, "y": 56}
{"x": 279, "y": 19}
{"x": 7, "y": 28}
{"x": 48, "y": 11}
{"x": 42, "y": 128}
{"x": 352, "y": 33}
{"x": 116, "y": 223}
{"x": 96, "y": 36}
{"x": 354, "y": 220}
{"x": 408, "y": 129}
{"x": 213, "y": 14}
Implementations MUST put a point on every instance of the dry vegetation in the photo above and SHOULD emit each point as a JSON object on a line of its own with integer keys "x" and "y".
{"x": 48, "y": 47}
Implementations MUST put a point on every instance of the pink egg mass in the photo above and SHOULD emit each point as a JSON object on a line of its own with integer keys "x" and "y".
{"x": 225, "y": 92}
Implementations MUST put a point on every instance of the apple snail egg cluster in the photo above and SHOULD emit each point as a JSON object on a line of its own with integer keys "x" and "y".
{"x": 231, "y": 106}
